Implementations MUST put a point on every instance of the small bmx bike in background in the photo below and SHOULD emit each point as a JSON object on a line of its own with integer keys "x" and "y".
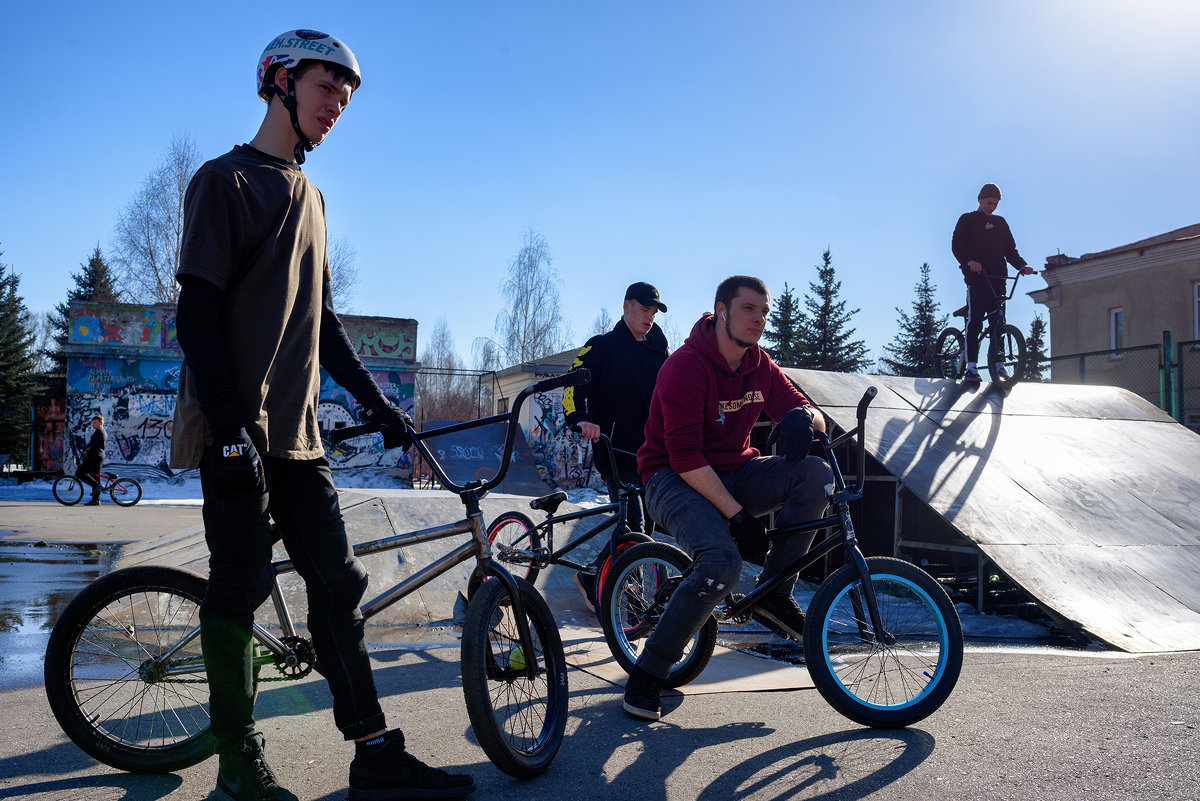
{"x": 1006, "y": 353}
{"x": 68, "y": 490}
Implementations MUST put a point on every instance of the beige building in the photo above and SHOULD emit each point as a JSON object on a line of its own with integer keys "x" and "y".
{"x": 1126, "y": 296}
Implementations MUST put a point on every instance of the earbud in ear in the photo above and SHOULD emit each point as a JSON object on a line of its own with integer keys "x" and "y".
{"x": 723, "y": 317}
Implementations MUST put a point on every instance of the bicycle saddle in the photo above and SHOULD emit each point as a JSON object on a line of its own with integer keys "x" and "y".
{"x": 961, "y": 313}
{"x": 548, "y": 503}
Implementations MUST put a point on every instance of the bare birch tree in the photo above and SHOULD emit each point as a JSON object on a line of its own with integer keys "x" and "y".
{"x": 446, "y": 390}
{"x": 531, "y": 324}
{"x": 149, "y": 231}
{"x": 603, "y": 323}
{"x": 343, "y": 270}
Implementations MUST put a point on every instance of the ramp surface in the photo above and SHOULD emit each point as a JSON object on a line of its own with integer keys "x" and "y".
{"x": 1083, "y": 495}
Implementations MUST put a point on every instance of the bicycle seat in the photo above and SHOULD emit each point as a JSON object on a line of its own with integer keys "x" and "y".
{"x": 548, "y": 503}
{"x": 961, "y": 313}
{"x": 110, "y": 475}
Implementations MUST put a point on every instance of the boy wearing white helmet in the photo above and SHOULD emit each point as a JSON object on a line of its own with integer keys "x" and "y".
{"x": 256, "y": 323}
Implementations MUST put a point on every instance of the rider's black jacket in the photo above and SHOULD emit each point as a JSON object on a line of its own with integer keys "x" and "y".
{"x": 618, "y": 397}
{"x": 93, "y": 456}
{"x": 985, "y": 238}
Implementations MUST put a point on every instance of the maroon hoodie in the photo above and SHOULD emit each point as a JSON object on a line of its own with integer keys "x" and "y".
{"x": 702, "y": 411}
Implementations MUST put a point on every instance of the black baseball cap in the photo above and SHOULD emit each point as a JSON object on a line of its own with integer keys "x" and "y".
{"x": 645, "y": 294}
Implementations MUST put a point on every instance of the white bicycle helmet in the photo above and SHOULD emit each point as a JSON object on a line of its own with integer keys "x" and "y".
{"x": 288, "y": 50}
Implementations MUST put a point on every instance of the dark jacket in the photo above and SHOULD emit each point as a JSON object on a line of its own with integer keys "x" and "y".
{"x": 703, "y": 410}
{"x": 93, "y": 456}
{"x": 618, "y": 398}
{"x": 985, "y": 238}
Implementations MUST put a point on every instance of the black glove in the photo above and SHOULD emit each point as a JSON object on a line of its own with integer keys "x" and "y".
{"x": 394, "y": 424}
{"x": 235, "y": 464}
{"x": 750, "y": 536}
{"x": 794, "y": 435}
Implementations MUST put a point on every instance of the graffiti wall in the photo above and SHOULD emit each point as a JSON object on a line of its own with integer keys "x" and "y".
{"x": 382, "y": 337}
{"x": 563, "y": 458}
{"x": 115, "y": 325}
{"x": 338, "y": 409}
{"x": 49, "y": 421}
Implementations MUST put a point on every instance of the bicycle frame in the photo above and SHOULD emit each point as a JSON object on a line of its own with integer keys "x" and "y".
{"x": 470, "y": 494}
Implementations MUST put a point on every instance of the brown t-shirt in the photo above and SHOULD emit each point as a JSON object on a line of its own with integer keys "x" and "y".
{"x": 255, "y": 228}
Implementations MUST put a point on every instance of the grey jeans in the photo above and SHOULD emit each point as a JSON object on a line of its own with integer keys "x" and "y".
{"x": 762, "y": 485}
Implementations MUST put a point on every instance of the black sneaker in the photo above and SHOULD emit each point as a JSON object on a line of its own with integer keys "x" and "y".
{"x": 245, "y": 775}
{"x": 386, "y": 772}
{"x": 585, "y": 582}
{"x": 782, "y": 615}
{"x": 93, "y": 502}
{"x": 971, "y": 377}
{"x": 642, "y": 692}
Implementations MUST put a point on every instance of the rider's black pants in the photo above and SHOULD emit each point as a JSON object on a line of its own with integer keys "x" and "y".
{"x": 981, "y": 300}
{"x": 302, "y": 501}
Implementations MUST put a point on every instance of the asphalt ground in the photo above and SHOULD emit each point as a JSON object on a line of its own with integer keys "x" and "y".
{"x": 1022, "y": 723}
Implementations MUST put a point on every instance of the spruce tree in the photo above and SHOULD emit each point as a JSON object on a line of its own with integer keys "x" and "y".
{"x": 93, "y": 284}
{"x": 783, "y": 330}
{"x": 16, "y": 369}
{"x": 911, "y": 352}
{"x": 825, "y": 341}
{"x": 1036, "y": 361}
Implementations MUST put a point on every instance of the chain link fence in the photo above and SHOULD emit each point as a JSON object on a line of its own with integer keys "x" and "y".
{"x": 1187, "y": 384}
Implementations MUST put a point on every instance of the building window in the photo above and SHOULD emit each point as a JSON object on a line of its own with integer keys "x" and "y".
{"x": 1116, "y": 329}
{"x": 502, "y": 406}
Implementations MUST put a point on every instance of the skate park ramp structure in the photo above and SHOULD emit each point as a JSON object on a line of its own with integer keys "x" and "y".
{"x": 1084, "y": 496}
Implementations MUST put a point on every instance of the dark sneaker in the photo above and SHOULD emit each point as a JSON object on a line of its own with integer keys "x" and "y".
{"x": 971, "y": 378}
{"x": 782, "y": 615}
{"x": 245, "y": 776}
{"x": 93, "y": 502}
{"x": 1000, "y": 373}
{"x": 386, "y": 772}
{"x": 585, "y": 582}
{"x": 642, "y": 693}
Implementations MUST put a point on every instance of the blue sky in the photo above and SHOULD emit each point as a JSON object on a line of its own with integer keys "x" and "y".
{"x": 673, "y": 142}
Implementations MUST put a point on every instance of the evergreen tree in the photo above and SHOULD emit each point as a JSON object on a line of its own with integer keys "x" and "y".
{"x": 912, "y": 349}
{"x": 783, "y": 329}
{"x": 824, "y": 342}
{"x": 1037, "y": 361}
{"x": 16, "y": 369}
{"x": 93, "y": 284}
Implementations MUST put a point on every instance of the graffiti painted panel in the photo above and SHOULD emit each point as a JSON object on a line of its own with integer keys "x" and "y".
{"x": 49, "y": 420}
{"x": 97, "y": 374}
{"x": 138, "y": 426}
{"x": 128, "y": 326}
{"x": 338, "y": 409}
{"x": 382, "y": 338}
{"x": 562, "y": 457}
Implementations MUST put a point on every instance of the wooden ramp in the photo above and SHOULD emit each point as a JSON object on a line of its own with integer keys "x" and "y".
{"x": 1085, "y": 496}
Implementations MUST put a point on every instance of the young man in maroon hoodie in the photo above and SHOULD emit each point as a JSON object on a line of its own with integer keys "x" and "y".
{"x": 707, "y": 486}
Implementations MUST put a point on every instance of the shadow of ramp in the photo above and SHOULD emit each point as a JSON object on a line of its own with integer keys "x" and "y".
{"x": 1083, "y": 495}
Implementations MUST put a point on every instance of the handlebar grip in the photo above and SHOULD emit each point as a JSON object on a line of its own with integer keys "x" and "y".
{"x": 867, "y": 397}
{"x": 575, "y": 378}
{"x": 350, "y": 432}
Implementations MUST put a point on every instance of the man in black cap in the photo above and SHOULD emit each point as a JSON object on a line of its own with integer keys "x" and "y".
{"x": 624, "y": 363}
{"x": 982, "y": 242}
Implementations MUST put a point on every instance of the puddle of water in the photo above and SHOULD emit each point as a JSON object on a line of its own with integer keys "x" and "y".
{"x": 36, "y": 582}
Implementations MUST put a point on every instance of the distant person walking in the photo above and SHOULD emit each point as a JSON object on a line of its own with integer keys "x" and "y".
{"x": 93, "y": 459}
{"x": 982, "y": 243}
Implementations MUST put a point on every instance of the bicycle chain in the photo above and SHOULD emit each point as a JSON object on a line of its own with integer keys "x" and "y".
{"x": 301, "y": 650}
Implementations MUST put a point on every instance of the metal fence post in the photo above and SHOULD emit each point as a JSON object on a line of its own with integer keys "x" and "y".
{"x": 1166, "y": 391}
{"x": 1180, "y": 405}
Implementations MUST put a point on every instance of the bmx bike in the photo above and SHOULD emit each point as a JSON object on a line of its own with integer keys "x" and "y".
{"x": 882, "y": 640}
{"x": 124, "y": 671}
{"x": 68, "y": 489}
{"x": 1006, "y": 352}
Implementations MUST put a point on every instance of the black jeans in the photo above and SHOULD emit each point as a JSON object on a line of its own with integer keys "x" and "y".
{"x": 983, "y": 298}
{"x": 302, "y": 501}
{"x": 84, "y": 474}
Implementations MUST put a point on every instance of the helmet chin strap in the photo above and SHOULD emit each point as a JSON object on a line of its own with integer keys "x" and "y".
{"x": 288, "y": 99}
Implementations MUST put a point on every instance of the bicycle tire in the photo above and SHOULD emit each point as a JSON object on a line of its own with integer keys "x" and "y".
{"x": 67, "y": 490}
{"x": 948, "y": 354}
{"x": 1008, "y": 352}
{"x": 641, "y": 584}
{"x": 519, "y": 722}
{"x": 125, "y": 492}
{"x": 883, "y": 684}
{"x": 518, "y": 531}
{"x": 98, "y": 679}
{"x": 624, "y": 542}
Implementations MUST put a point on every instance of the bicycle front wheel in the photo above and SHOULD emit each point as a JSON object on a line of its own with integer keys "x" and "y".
{"x": 67, "y": 490}
{"x": 519, "y": 721}
{"x": 1006, "y": 355}
{"x": 948, "y": 356}
{"x": 634, "y": 596}
{"x": 885, "y": 679}
{"x": 125, "y": 492}
{"x": 108, "y": 684}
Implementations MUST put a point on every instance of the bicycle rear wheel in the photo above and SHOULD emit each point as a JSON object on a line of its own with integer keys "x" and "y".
{"x": 106, "y": 684}
{"x": 125, "y": 492}
{"x": 518, "y": 721}
{"x": 624, "y": 542}
{"x": 889, "y": 679}
{"x": 640, "y": 585}
{"x": 67, "y": 490}
{"x": 1006, "y": 355}
{"x": 948, "y": 356}
{"x": 508, "y": 532}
